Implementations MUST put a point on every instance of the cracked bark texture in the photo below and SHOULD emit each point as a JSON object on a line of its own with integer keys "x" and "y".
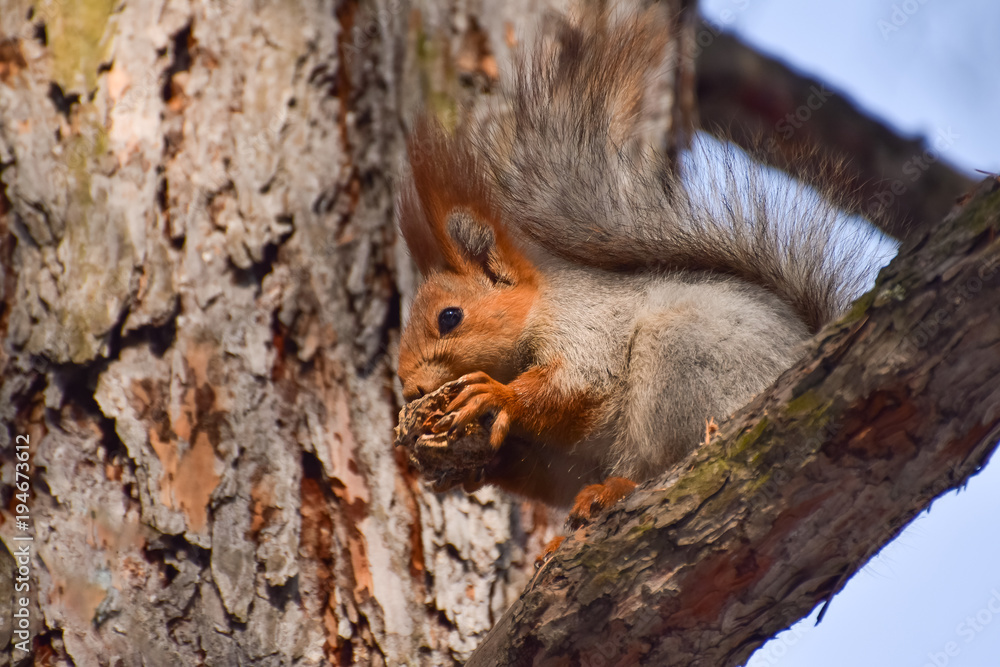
{"x": 891, "y": 407}
{"x": 201, "y": 290}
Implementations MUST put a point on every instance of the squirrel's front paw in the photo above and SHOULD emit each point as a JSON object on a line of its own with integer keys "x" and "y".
{"x": 480, "y": 394}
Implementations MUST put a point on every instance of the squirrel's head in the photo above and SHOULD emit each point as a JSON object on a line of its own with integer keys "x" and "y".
{"x": 478, "y": 287}
{"x": 460, "y": 323}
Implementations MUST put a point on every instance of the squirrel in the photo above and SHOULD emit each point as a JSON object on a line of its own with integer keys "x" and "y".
{"x": 602, "y": 309}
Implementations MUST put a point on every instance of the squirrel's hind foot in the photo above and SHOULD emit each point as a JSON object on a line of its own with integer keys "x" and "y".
{"x": 596, "y": 497}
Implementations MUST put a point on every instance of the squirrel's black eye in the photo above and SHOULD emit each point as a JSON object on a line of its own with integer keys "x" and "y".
{"x": 448, "y": 319}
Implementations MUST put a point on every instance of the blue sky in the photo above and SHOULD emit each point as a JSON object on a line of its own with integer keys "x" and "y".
{"x": 932, "y": 597}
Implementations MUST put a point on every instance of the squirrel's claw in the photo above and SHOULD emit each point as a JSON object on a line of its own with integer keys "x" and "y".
{"x": 711, "y": 428}
{"x": 443, "y": 424}
{"x": 501, "y": 426}
{"x": 479, "y": 395}
{"x": 549, "y": 549}
{"x": 474, "y": 481}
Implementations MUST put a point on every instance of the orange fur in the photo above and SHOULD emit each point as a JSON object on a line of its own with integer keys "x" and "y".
{"x": 446, "y": 177}
{"x": 549, "y": 549}
{"x": 496, "y": 290}
{"x": 545, "y": 410}
{"x": 597, "y": 497}
{"x": 487, "y": 341}
{"x": 496, "y": 293}
{"x": 532, "y": 401}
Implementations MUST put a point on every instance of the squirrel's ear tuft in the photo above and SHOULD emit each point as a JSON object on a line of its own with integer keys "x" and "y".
{"x": 424, "y": 248}
{"x": 474, "y": 239}
{"x": 477, "y": 241}
{"x": 436, "y": 174}
{"x": 446, "y": 210}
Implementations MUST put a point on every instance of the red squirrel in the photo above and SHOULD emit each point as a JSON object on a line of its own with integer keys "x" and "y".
{"x": 598, "y": 306}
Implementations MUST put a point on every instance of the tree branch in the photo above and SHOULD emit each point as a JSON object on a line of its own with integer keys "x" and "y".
{"x": 894, "y": 405}
{"x": 901, "y": 184}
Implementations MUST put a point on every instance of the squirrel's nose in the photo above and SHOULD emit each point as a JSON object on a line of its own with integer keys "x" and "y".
{"x": 423, "y": 380}
{"x": 413, "y": 392}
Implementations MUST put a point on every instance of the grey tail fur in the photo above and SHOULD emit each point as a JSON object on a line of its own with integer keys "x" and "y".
{"x": 563, "y": 144}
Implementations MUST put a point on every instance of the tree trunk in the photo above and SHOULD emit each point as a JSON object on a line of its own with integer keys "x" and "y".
{"x": 200, "y": 308}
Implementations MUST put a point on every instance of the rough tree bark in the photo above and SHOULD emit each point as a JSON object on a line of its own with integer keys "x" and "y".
{"x": 894, "y": 405}
{"x": 200, "y": 307}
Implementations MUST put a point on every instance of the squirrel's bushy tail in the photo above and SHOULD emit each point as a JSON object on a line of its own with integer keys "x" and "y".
{"x": 564, "y": 143}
